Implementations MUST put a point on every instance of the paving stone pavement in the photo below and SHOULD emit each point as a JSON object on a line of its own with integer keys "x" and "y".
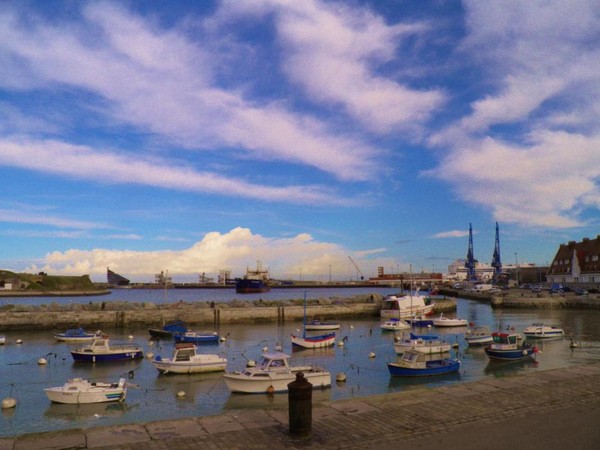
{"x": 557, "y": 409}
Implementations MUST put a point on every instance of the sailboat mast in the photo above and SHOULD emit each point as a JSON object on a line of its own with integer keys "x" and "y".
{"x": 304, "y": 322}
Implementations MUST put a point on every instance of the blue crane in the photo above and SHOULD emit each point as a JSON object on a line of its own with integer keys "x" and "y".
{"x": 471, "y": 261}
{"x": 496, "y": 263}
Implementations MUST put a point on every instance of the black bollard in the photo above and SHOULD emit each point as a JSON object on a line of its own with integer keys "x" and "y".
{"x": 300, "y": 406}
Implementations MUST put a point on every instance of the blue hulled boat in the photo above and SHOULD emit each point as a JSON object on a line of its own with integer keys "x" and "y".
{"x": 415, "y": 364}
{"x": 168, "y": 331}
{"x": 100, "y": 351}
{"x": 506, "y": 347}
{"x": 197, "y": 337}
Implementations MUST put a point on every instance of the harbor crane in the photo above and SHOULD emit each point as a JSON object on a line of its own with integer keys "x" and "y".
{"x": 471, "y": 262}
{"x": 362, "y": 277}
{"x": 496, "y": 262}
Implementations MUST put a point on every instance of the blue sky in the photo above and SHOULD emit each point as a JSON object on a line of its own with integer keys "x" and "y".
{"x": 198, "y": 136}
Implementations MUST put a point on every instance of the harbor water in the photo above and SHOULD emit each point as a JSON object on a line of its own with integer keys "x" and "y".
{"x": 362, "y": 358}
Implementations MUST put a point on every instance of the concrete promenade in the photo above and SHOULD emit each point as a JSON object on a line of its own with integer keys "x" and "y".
{"x": 554, "y": 409}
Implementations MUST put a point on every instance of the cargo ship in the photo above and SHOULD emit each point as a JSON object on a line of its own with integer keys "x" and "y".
{"x": 255, "y": 281}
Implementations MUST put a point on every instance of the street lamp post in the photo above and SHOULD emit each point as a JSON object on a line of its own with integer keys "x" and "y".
{"x": 517, "y": 268}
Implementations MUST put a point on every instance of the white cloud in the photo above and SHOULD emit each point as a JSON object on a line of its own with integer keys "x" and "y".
{"x": 86, "y": 163}
{"x": 546, "y": 182}
{"x": 162, "y": 82}
{"x": 528, "y": 151}
{"x": 235, "y": 250}
{"x": 451, "y": 234}
{"x": 333, "y": 52}
{"x": 16, "y": 216}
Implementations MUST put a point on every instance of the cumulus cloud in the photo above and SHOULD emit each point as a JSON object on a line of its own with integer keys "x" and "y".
{"x": 292, "y": 257}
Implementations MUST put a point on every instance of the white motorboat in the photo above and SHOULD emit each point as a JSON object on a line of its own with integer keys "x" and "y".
{"x": 426, "y": 344}
{"x": 273, "y": 374}
{"x": 448, "y": 322}
{"x": 480, "y": 335}
{"x": 76, "y": 335}
{"x": 395, "y": 325}
{"x": 78, "y": 390}
{"x": 406, "y": 306}
{"x": 186, "y": 359}
{"x": 541, "y": 331}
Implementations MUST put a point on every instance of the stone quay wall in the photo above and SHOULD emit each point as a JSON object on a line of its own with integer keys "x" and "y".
{"x": 191, "y": 314}
{"x": 550, "y": 301}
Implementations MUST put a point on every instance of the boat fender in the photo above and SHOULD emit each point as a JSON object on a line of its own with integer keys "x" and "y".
{"x": 524, "y": 352}
{"x": 158, "y": 358}
{"x": 270, "y": 389}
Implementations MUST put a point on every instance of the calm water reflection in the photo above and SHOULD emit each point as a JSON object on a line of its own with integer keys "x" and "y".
{"x": 155, "y": 396}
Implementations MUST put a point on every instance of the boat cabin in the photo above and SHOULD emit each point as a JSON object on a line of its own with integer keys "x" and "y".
{"x": 412, "y": 357}
{"x": 276, "y": 361}
{"x": 98, "y": 344}
{"x": 184, "y": 352}
{"x": 505, "y": 338}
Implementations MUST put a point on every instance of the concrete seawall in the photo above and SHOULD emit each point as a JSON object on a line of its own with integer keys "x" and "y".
{"x": 151, "y": 315}
{"x": 547, "y": 301}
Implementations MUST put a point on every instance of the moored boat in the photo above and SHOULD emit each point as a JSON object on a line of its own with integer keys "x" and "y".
{"x": 168, "y": 330}
{"x": 186, "y": 359}
{"x": 415, "y": 364}
{"x": 542, "y": 331}
{"x": 394, "y": 325}
{"x": 320, "y": 341}
{"x": 406, "y": 306}
{"x": 76, "y": 335}
{"x": 479, "y": 335}
{"x": 2, "y": 340}
{"x": 443, "y": 321}
{"x": 420, "y": 321}
{"x": 255, "y": 281}
{"x": 304, "y": 341}
{"x": 273, "y": 374}
{"x": 318, "y": 325}
{"x": 100, "y": 350}
{"x": 506, "y": 347}
{"x": 197, "y": 337}
{"x": 426, "y": 344}
{"x": 78, "y": 390}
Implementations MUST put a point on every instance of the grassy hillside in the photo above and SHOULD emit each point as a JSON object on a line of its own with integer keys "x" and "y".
{"x": 44, "y": 282}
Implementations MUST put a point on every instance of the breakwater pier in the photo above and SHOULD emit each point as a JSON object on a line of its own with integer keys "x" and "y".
{"x": 143, "y": 314}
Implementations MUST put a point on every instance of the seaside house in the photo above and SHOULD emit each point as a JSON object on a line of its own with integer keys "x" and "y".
{"x": 577, "y": 263}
